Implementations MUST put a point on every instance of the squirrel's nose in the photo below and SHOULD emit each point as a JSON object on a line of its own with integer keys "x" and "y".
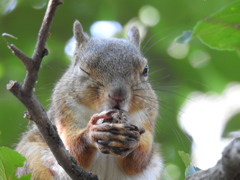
{"x": 117, "y": 97}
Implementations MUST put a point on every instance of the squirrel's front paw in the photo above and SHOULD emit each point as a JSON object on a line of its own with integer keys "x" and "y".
{"x": 114, "y": 138}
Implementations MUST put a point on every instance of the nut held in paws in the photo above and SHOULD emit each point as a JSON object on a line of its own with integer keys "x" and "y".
{"x": 120, "y": 116}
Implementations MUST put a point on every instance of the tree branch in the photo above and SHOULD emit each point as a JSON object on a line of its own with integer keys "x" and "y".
{"x": 228, "y": 168}
{"x": 24, "y": 92}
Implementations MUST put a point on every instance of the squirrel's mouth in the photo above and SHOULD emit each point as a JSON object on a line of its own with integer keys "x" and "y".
{"x": 117, "y": 107}
{"x": 121, "y": 105}
{"x": 115, "y": 102}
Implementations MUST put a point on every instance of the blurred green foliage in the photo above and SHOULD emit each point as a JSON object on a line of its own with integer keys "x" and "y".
{"x": 173, "y": 77}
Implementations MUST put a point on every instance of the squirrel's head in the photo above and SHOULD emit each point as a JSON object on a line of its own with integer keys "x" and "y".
{"x": 110, "y": 73}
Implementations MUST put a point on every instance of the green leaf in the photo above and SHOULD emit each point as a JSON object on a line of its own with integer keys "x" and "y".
{"x": 2, "y": 173}
{"x": 191, "y": 170}
{"x": 9, "y": 161}
{"x": 185, "y": 158}
{"x": 221, "y": 30}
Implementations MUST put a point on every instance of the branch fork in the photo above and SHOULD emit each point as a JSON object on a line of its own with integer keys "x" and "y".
{"x": 35, "y": 112}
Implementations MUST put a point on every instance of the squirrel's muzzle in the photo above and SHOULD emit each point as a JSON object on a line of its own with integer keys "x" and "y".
{"x": 117, "y": 96}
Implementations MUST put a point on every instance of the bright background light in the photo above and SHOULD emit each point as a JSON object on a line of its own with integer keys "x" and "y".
{"x": 177, "y": 50}
{"x": 149, "y": 15}
{"x": 204, "y": 117}
{"x": 70, "y": 47}
{"x": 105, "y": 29}
{"x": 7, "y": 6}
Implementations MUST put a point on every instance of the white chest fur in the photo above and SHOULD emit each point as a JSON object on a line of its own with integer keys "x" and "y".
{"x": 106, "y": 168}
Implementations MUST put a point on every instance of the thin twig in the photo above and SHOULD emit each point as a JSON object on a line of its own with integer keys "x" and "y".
{"x": 24, "y": 92}
{"x": 17, "y": 52}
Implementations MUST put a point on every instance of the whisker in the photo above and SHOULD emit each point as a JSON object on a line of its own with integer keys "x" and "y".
{"x": 155, "y": 100}
{"x": 167, "y": 106}
{"x": 177, "y": 132}
{"x": 155, "y": 71}
{"x": 167, "y": 29}
{"x": 174, "y": 93}
{"x": 145, "y": 113}
{"x": 155, "y": 43}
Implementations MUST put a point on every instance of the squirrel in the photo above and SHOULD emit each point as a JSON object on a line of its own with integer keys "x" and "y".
{"x": 106, "y": 75}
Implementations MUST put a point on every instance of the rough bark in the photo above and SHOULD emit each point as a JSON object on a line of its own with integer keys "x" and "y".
{"x": 35, "y": 112}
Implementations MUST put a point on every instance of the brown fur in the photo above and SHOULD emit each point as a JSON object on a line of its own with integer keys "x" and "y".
{"x": 34, "y": 165}
{"x": 105, "y": 74}
{"x": 136, "y": 161}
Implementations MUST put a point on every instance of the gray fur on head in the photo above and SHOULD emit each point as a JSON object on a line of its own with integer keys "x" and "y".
{"x": 133, "y": 35}
{"x": 79, "y": 35}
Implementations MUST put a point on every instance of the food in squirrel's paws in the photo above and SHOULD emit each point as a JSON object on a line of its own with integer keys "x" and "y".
{"x": 119, "y": 116}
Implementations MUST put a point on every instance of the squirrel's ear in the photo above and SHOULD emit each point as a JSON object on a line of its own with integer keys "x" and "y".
{"x": 133, "y": 35}
{"x": 79, "y": 35}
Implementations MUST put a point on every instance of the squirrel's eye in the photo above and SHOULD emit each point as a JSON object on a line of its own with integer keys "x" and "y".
{"x": 84, "y": 71}
{"x": 145, "y": 71}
